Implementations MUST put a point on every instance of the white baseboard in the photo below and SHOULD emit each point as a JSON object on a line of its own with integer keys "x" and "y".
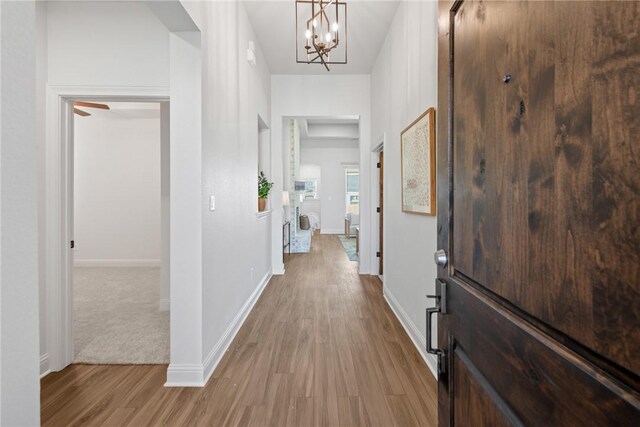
{"x": 419, "y": 341}
{"x": 279, "y": 270}
{"x": 184, "y": 376}
{"x": 198, "y": 375}
{"x": 116, "y": 263}
{"x": 44, "y": 365}
{"x": 164, "y": 305}
{"x": 332, "y": 231}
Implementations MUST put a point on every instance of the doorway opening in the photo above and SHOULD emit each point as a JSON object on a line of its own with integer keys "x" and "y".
{"x": 321, "y": 158}
{"x": 120, "y": 288}
{"x": 62, "y": 244}
{"x": 351, "y": 239}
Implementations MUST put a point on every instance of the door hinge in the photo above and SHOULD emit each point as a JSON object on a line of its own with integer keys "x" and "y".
{"x": 378, "y": 209}
{"x": 378, "y": 165}
{"x": 72, "y": 244}
{"x": 378, "y": 254}
{"x": 441, "y": 308}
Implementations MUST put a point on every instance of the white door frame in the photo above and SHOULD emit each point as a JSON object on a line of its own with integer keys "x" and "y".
{"x": 375, "y": 201}
{"x": 59, "y": 205}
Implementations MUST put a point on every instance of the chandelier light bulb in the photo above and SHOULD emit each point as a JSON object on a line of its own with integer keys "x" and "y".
{"x": 327, "y": 37}
{"x": 307, "y": 34}
{"x": 335, "y": 27}
{"x": 315, "y": 23}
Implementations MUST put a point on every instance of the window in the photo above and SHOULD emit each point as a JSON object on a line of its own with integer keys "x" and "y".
{"x": 352, "y": 180}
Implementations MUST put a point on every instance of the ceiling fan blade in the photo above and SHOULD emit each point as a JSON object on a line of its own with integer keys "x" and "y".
{"x": 81, "y": 113}
{"x": 91, "y": 105}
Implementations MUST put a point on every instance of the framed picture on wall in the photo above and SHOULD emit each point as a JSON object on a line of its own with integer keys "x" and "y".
{"x": 418, "y": 165}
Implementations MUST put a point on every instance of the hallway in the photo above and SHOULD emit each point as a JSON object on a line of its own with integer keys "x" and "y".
{"x": 321, "y": 347}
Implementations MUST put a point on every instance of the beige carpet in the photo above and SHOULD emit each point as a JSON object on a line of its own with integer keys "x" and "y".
{"x": 116, "y": 316}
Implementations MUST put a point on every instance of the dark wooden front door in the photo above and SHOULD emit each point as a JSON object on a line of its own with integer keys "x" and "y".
{"x": 539, "y": 213}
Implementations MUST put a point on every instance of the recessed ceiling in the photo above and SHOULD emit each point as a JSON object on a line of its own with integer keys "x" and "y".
{"x": 274, "y": 24}
{"x": 329, "y": 132}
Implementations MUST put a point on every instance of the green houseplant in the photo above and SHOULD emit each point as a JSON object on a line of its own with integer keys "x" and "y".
{"x": 264, "y": 187}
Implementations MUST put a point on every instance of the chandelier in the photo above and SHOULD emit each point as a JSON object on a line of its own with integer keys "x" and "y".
{"x": 321, "y": 32}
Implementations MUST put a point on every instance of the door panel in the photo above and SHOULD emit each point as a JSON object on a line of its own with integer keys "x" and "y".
{"x": 482, "y": 406}
{"x": 539, "y": 211}
{"x": 546, "y": 164}
{"x": 527, "y": 378}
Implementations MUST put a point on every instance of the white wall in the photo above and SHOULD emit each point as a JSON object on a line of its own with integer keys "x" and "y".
{"x": 404, "y": 84}
{"x": 116, "y": 191}
{"x": 236, "y": 243}
{"x": 186, "y": 209}
{"x": 106, "y": 43}
{"x": 264, "y": 148}
{"x": 331, "y": 157}
{"x": 19, "y": 383}
{"x": 41, "y": 126}
{"x": 332, "y": 95}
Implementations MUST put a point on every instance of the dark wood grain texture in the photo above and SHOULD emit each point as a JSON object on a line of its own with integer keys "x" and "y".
{"x": 539, "y": 210}
{"x": 615, "y": 254}
{"x": 547, "y": 179}
{"x": 529, "y": 378}
{"x": 475, "y": 401}
{"x": 321, "y": 347}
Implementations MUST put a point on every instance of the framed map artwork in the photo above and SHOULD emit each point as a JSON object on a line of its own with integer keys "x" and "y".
{"x": 418, "y": 162}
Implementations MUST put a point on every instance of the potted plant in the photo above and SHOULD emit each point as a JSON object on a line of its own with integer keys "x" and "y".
{"x": 264, "y": 187}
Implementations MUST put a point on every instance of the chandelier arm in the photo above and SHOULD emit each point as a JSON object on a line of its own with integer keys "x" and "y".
{"x": 329, "y": 4}
{"x": 322, "y": 59}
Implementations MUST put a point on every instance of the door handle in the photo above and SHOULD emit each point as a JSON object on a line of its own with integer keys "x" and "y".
{"x": 440, "y": 257}
{"x": 430, "y": 312}
{"x": 440, "y": 307}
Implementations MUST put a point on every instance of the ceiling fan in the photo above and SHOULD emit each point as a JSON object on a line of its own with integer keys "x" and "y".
{"x": 87, "y": 105}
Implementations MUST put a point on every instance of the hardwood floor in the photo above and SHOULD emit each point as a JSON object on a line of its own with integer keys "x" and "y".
{"x": 321, "y": 347}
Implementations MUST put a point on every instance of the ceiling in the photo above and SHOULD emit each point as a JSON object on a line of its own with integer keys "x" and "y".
{"x": 274, "y": 24}
{"x": 329, "y": 132}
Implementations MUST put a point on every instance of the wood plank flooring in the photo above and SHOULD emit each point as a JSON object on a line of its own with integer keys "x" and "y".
{"x": 321, "y": 347}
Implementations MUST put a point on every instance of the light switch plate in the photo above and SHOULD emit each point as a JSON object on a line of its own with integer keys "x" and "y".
{"x": 212, "y": 203}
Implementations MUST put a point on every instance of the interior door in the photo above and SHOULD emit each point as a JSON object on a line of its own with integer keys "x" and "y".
{"x": 381, "y": 211}
{"x": 539, "y": 213}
